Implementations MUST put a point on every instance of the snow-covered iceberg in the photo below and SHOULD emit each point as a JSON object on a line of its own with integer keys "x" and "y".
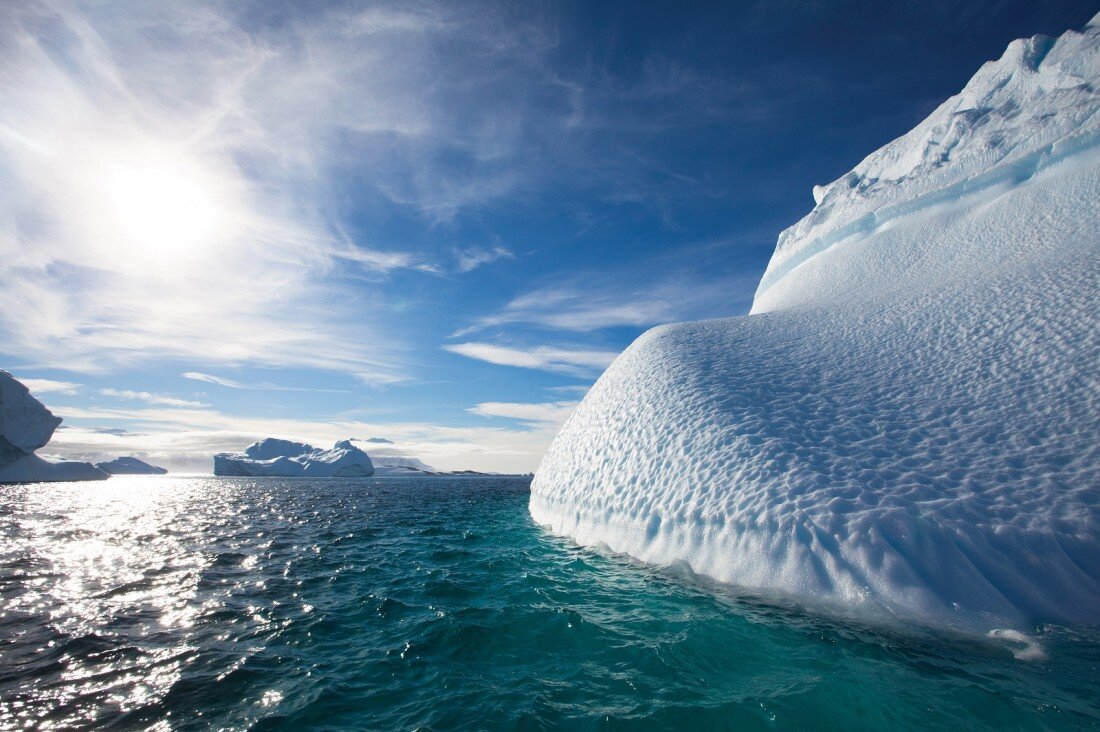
{"x": 909, "y": 419}
{"x": 129, "y": 466}
{"x": 25, "y": 426}
{"x": 273, "y": 457}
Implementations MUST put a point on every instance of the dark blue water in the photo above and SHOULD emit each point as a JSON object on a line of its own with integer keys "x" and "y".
{"x": 404, "y": 603}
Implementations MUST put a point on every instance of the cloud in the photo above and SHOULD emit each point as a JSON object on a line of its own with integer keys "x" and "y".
{"x": 44, "y": 386}
{"x": 637, "y": 298}
{"x": 470, "y": 259}
{"x": 211, "y": 379}
{"x": 267, "y": 386}
{"x": 190, "y": 182}
{"x": 177, "y": 178}
{"x": 571, "y": 389}
{"x": 570, "y": 361}
{"x": 554, "y": 413}
{"x": 187, "y": 438}
{"x": 151, "y": 398}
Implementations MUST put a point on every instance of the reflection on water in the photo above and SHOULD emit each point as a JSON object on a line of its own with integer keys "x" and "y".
{"x": 190, "y": 603}
{"x": 101, "y": 583}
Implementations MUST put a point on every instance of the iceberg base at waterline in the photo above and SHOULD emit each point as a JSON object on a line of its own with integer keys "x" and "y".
{"x": 25, "y": 426}
{"x": 907, "y": 422}
{"x": 34, "y": 469}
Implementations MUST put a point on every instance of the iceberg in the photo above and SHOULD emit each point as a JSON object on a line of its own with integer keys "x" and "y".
{"x": 129, "y": 466}
{"x": 25, "y": 426}
{"x": 907, "y": 423}
{"x": 402, "y": 465}
{"x": 283, "y": 458}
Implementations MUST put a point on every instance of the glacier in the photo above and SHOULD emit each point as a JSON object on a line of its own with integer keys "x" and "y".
{"x": 283, "y": 458}
{"x": 907, "y": 423}
{"x": 25, "y": 426}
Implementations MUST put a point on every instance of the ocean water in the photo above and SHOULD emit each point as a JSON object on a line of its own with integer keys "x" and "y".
{"x": 436, "y": 603}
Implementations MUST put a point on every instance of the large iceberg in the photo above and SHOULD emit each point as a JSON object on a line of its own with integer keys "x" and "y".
{"x": 908, "y": 421}
{"x": 274, "y": 457}
{"x": 25, "y": 426}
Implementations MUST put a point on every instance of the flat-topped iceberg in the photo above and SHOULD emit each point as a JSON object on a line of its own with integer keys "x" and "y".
{"x": 129, "y": 466}
{"x": 908, "y": 421}
{"x": 402, "y": 465}
{"x": 25, "y": 426}
{"x": 283, "y": 458}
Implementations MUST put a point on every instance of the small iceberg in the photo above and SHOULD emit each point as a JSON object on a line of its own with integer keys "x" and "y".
{"x": 129, "y": 466}
{"x": 283, "y": 458}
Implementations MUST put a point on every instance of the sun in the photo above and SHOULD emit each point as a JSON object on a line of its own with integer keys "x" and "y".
{"x": 162, "y": 208}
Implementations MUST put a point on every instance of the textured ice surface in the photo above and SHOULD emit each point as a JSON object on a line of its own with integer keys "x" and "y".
{"x": 129, "y": 466}
{"x": 909, "y": 421}
{"x": 25, "y": 426}
{"x": 294, "y": 459}
{"x": 1031, "y": 109}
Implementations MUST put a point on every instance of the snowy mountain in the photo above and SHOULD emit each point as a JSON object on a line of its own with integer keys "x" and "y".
{"x": 25, "y": 426}
{"x": 907, "y": 422}
{"x": 274, "y": 457}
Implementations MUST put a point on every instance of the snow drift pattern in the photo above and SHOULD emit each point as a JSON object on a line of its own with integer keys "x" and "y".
{"x": 25, "y": 426}
{"x": 908, "y": 420}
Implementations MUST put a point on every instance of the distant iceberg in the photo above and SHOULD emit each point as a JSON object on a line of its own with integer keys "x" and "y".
{"x": 909, "y": 420}
{"x": 25, "y": 426}
{"x": 129, "y": 466}
{"x": 274, "y": 457}
{"x": 402, "y": 465}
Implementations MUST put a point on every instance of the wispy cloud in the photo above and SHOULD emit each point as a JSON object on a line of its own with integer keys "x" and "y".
{"x": 643, "y": 296}
{"x": 162, "y": 400}
{"x": 571, "y": 389}
{"x": 187, "y": 438}
{"x": 569, "y": 361}
{"x": 258, "y": 386}
{"x": 172, "y": 174}
{"x": 470, "y": 259}
{"x": 45, "y": 386}
{"x": 546, "y": 412}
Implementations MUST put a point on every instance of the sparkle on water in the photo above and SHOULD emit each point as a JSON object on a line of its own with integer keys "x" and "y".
{"x": 189, "y": 603}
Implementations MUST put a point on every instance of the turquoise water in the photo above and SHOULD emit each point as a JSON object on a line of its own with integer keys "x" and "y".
{"x": 404, "y": 603}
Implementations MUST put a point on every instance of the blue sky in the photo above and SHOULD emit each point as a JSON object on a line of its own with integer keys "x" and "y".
{"x": 434, "y": 223}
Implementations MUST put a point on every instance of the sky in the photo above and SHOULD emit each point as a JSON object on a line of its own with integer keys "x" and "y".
{"x": 434, "y": 223}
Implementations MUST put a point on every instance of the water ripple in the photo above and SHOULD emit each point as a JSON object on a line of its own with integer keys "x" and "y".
{"x": 190, "y": 603}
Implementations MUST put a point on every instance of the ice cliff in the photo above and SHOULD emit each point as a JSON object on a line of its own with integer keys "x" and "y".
{"x": 25, "y": 426}
{"x": 908, "y": 421}
{"x": 275, "y": 457}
